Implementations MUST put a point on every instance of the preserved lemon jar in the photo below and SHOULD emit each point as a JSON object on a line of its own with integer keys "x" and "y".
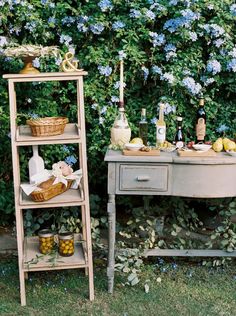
{"x": 46, "y": 241}
{"x": 66, "y": 244}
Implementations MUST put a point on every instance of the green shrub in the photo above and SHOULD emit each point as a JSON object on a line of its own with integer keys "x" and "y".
{"x": 174, "y": 50}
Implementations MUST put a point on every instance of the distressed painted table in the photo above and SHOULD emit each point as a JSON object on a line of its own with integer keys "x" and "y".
{"x": 167, "y": 174}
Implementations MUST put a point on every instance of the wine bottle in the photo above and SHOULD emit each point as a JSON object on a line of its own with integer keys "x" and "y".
{"x": 179, "y": 137}
{"x": 161, "y": 127}
{"x": 201, "y": 122}
{"x": 143, "y": 127}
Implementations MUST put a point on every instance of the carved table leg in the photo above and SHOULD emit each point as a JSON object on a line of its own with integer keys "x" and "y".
{"x": 111, "y": 209}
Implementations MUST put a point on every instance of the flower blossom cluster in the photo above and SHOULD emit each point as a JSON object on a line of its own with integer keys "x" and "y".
{"x": 105, "y": 5}
{"x": 157, "y": 39}
{"x": 214, "y": 66}
{"x": 105, "y": 70}
{"x": 191, "y": 85}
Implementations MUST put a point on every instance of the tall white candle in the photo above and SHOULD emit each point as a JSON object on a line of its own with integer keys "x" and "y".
{"x": 121, "y": 81}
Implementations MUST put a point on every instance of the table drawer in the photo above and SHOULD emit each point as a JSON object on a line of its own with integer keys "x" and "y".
{"x": 143, "y": 178}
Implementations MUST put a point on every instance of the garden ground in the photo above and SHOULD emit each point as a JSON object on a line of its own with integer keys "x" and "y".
{"x": 174, "y": 289}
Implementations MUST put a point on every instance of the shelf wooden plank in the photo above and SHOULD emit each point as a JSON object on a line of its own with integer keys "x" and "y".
{"x": 51, "y": 262}
{"x": 189, "y": 253}
{"x": 24, "y": 138}
{"x": 69, "y": 198}
{"x": 49, "y": 76}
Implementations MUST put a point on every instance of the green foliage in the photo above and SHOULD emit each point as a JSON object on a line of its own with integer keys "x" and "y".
{"x": 199, "y": 31}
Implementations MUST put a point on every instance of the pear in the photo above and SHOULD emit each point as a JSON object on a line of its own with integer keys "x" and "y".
{"x": 229, "y": 145}
{"x": 225, "y": 141}
{"x": 218, "y": 145}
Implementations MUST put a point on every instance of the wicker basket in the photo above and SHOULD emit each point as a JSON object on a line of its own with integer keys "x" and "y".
{"x": 47, "y": 126}
{"x": 49, "y": 190}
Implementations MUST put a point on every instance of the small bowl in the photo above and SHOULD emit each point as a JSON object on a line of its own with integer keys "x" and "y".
{"x": 201, "y": 147}
{"x": 133, "y": 147}
{"x": 231, "y": 153}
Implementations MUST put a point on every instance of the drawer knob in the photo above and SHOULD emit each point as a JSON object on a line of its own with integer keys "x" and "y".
{"x": 143, "y": 178}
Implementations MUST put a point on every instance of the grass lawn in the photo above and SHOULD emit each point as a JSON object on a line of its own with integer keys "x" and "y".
{"x": 185, "y": 290}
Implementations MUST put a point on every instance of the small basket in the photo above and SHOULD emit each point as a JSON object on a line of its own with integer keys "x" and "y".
{"x": 47, "y": 126}
{"x": 49, "y": 190}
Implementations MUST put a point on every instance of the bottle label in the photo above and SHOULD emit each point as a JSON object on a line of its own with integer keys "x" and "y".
{"x": 161, "y": 134}
{"x": 201, "y": 129}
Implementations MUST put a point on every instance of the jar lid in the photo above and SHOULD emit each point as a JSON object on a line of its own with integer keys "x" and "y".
{"x": 45, "y": 233}
{"x": 66, "y": 236}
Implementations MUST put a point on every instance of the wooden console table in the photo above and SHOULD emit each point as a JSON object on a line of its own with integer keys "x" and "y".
{"x": 167, "y": 174}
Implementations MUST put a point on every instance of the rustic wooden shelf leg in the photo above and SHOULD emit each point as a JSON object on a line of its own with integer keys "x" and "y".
{"x": 111, "y": 209}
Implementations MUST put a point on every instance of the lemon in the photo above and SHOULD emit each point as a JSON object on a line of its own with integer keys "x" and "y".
{"x": 136, "y": 140}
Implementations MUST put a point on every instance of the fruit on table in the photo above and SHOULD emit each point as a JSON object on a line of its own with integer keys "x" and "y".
{"x": 136, "y": 140}
{"x": 218, "y": 145}
{"x": 228, "y": 144}
{"x": 166, "y": 144}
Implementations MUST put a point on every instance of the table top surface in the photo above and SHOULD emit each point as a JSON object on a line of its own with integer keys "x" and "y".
{"x": 220, "y": 158}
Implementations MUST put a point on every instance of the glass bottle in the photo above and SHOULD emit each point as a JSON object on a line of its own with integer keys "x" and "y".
{"x": 179, "y": 137}
{"x": 201, "y": 122}
{"x": 120, "y": 131}
{"x": 143, "y": 127}
{"x": 161, "y": 127}
{"x": 35, "y": 164}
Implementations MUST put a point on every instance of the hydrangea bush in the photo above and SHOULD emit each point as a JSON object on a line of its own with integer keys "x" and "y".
{"x": 173, "y": 50}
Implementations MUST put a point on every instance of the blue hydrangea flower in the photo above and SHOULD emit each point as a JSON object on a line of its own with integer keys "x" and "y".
{"x": 233, "y": 9}
{"x": 101, "y": 120}
{"x": 169, "y": 108}
{"x": 105, "y": 70}
{"x": 117, "y": 85}
{"x": 103, "y": 110}
{"x": 188, "y": 16}
{"x": 114, "y": 99}
{"x": 97, "y": 28}
{"x": 134, "y": 13}
{"x": 213, "y": 66}
{"x": 145, "y": 72}
{"x": 219, "y": 42}
{"x": 231, "y": 65}
{"x": 157, "y": 39}
{"x": 150, "y": 15}
{"x": 207, "y": 81}
{"x": 168, "y": 77}
{"x": 66, "y": 149}
{"x": 51, "y": 20}
{"x": 170, "y": 55}
{"x": 170, "y": 47}
{"x": 233, "y": 52}
{"x": 214, "y": 30}
{"x": 156, "y": 70}
{"x": 82, "y": 28}
{"x": 36, "y": 63}
{"x": 65, "y": 39}
{"x": 190, "y": 84}
{"x": 70, "y": 160}
{"x": 105, "y": 5}
{"x": 94, "y": 106}
{"x": 192, "y": 36}
{"x": 31, "y": 26}
{"x": 153, "y": 120}
{"x": 122, "y": 55}
{"x": 118, "y": 25}
{"x": 3, "y": 41}
{"x": 173, "y": 2}
{"x": 68, "y": 20}
{"x": 222, "y": 128}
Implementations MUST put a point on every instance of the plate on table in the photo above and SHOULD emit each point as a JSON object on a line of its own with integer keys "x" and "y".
{"x": 231, "y": 153}
{"x": 133, "y": 147}
{"x": 201, "y": 147}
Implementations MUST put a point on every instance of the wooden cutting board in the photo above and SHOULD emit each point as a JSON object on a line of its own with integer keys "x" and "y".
{"x": 153, "y": 152}
{"x": 195, "y": 153}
